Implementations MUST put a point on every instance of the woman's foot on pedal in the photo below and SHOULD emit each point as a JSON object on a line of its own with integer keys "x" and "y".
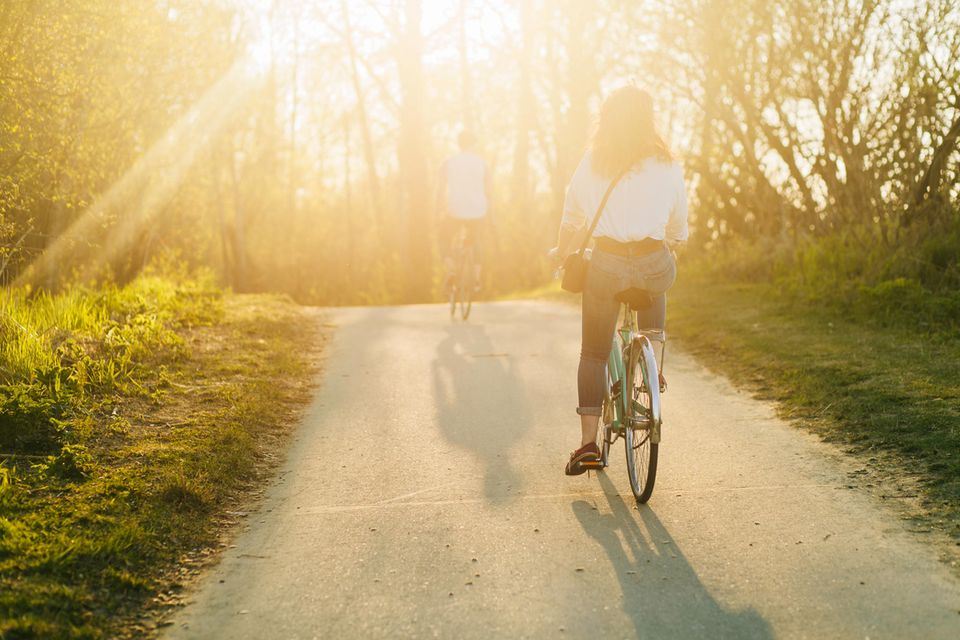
{"x": 584, "y": 458}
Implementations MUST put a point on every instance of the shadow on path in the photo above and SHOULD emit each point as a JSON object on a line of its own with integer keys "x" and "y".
{"x": 662, "y": 594}
{"x": 481, "y": 404}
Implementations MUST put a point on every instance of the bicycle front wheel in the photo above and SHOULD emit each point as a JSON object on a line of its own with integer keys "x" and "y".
{"x": 641, "y": 432}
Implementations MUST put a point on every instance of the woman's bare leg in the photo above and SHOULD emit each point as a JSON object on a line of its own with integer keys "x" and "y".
{"x": 588, "y": 429}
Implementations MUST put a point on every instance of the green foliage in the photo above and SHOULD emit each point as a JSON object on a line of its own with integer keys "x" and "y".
{"x": 89, "y": 528}
{"x": 185, "y": 493}
{"x": 915, "y": 284}
{"x": 29, "y": 418}
{"x": 73, "y": 462}
{"x": 7, "y": 489}
{"x": 938, "y": 258}
{"x": 61, "y": 350}
{"x": 84, "y": 85}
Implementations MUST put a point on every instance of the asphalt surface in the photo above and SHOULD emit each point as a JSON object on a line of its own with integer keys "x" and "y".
{"x": 424, "y": 496}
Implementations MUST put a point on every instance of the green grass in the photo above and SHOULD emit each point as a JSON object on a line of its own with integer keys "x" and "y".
{"x": 878, "y": 387}
{"x": 61, "y": 355}
{"x": 130, "y": 418}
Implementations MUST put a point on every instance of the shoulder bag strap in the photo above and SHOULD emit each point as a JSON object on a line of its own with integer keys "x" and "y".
{"x": 596, "y": 218}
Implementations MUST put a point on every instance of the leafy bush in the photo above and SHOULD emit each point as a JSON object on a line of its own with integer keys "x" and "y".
{"x": 73, "y": 462}
{"x": 904, "y": 300}
{"x": 29, "y": 415}
{"x": 912, "y": 280}
{"x": 900, "y": 295}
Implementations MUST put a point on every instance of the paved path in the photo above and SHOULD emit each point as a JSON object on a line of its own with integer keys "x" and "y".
{"x": 424, "y": 497}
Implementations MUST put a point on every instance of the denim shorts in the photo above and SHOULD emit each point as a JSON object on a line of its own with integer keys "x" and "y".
{"x": 608, "y": 275}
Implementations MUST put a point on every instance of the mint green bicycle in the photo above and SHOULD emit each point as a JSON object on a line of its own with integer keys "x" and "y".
{"x": 631, "y": 406}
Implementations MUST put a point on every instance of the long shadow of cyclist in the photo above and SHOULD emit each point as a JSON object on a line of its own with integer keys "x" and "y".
{"x": 662, "y": 594}
{"x": 481, "y": 405}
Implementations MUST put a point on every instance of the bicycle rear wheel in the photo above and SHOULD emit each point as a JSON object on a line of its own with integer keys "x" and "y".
{"x": 465, "y": 282}
{"x": 642, "y": 428}
{"x": 452, "y": 296}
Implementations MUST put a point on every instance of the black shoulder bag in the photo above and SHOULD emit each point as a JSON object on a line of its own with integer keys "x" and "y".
{"x": 575, "y": 265}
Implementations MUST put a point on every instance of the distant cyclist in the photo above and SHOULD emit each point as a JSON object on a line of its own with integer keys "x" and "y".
{"x": 464, "y": 199}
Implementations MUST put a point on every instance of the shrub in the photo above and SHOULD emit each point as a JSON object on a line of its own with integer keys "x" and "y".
{"x": 73, "y": 462}
{"x": 913, "y": 280}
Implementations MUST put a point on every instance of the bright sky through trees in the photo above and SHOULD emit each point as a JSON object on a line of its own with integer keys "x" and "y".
{"x": 794, "y": 120}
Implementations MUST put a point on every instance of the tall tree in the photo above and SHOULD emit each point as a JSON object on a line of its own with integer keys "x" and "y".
{"x": 412, "y": 154}
{"x": 525, "y": 109}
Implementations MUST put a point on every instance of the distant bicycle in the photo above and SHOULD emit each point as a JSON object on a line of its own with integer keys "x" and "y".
{"x": 631, "y": 406}
{"x": 463, "y": 281}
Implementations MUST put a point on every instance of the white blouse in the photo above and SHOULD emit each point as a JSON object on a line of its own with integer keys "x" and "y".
{"x": 466, "y": 180}
{"x": 650, "y": 201}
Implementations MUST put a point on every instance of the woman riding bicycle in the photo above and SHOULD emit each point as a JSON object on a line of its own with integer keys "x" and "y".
{"x": 645, "y": 211}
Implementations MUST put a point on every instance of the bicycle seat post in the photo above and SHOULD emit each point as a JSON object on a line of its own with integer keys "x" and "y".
{"x": 629, "y": 318}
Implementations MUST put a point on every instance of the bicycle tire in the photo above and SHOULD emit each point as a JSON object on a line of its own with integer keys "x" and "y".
{"x": 642, "y": 451}
{"x": 466, "y": 282}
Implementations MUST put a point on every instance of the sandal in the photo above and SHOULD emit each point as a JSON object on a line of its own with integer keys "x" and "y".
{"x": 585, "y": 458}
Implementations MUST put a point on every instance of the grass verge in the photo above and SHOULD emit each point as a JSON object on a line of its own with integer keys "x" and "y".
{"x": 890, "y": 394}
{"x": 108, "y": 480}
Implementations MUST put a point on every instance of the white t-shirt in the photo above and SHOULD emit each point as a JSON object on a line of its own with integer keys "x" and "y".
{"x": 466, "y": 186}
{"x": 650, "y": 201}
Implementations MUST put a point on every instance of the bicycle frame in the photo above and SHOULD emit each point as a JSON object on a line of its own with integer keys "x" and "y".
{"x": 634, "y": 344}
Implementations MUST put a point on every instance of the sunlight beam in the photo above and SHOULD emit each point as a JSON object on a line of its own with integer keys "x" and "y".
{"x": 136, "y": 197}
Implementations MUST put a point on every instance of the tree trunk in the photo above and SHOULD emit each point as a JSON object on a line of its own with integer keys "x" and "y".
{"x": 223, "y": 229}
{"x": 294, "y": 76}
{"x": 370, "y": 157}
{"x": 580, "y": 84}
{"x": 238, "y": 235}
{"x": 412, "y": 156}
{"x": 466, "y": 87}
{"x": 348, "y": 214}
{"x": 526, "y": 112}
{"x": 930, "y": 181}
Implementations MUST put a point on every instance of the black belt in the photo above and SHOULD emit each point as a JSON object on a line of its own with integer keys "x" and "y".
{"x": 629, "y": 249}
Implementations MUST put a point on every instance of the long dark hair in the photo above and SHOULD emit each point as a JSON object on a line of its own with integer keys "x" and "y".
{"x": 626, "y": 133}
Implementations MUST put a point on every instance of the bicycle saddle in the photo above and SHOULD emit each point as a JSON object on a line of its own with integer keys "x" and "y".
{"x": 637, "y": 298}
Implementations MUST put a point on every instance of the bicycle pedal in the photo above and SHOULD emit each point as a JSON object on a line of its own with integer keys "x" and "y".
{"x": 595, "y": 469}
